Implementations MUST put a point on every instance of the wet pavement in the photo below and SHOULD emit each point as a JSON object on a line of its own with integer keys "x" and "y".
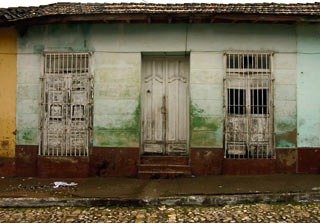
{"x": 132, "y": 188}
{"x": 280, "y": 213}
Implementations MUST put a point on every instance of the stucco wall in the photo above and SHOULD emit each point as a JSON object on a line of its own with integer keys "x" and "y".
{"x": 8, "y": 64}
{"x": 117, "y": 66}
{"x": 31, "y": 43}
{"x": 207, "y": 44}
{"x": 308, "y": 79}
{"x": 117, "y": 97}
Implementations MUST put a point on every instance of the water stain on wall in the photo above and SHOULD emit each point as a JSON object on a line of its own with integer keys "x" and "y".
{"x": 38, "y": 48}
{"x": 289, "y": 158}
{"x": 203, "y": 128}
{"x": 27, "y": 137}
{"x": 128, "y": 134}
{"x": 287, "y": 139}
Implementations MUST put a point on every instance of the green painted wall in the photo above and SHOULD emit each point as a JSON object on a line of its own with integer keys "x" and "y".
{"x": 116, "y": 99}
{"x": 117, "y": 69}
{"x": 31, "y": 43}
{"x": 208, "y": 44}
{"x": 308, "y": 79}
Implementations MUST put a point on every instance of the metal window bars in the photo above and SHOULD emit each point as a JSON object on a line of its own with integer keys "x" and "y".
{"x": 66, "y": 102}
{"x": 248, "y": 106}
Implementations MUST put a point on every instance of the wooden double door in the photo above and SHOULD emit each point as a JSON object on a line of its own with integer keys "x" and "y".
{"x": 165, "y": 105}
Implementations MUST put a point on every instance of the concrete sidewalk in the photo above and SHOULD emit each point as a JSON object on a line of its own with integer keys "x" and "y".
{"x": 195, "y": 190}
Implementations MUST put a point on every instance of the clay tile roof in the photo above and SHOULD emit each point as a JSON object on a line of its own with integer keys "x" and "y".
{"x": 22, "y": 13}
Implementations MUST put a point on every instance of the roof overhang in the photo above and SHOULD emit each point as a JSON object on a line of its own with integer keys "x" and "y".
{"x": 160, "y": 13}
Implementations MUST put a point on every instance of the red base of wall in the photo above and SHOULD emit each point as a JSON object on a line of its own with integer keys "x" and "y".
{"x": 26, "y": 161}
{"x": 7, "y": 167}
{"x": 124, "y": 162}
{"x": 248, "y": 167}
{"x": 205, "y": 161}
{"x": 309, "y": 160}
{"x": 63, "y": 167}
{"x": 102, "y": 162}
{"x": 286, "y": 160}
{"x": 114, "y": 162}
{"x": 210, "y": 161}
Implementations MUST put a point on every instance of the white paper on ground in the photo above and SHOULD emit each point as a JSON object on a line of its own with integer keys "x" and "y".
{"x": 64, "y": 184}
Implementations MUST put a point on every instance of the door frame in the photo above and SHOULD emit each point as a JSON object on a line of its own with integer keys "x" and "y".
{"x": 164, "y": 55}
{"x": 90, "y": 92}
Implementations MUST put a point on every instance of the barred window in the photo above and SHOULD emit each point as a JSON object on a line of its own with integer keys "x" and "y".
{"x": 248, "y": 110}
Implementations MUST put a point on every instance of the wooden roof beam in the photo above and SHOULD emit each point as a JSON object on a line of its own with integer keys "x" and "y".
{"x": 259, "y": 18}
{"x": 160, "y": 18}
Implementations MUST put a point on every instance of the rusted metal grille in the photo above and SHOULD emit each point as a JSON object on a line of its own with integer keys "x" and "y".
{"x": 248, "y": 99}
{"x": 66, "y": 101}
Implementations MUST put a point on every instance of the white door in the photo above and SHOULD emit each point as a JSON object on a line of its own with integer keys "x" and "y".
{"x": 165, "y": 105}
{"x": 66, "y": 124}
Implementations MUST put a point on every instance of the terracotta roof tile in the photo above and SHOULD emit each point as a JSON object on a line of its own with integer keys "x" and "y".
{"x": 21, "y": 13}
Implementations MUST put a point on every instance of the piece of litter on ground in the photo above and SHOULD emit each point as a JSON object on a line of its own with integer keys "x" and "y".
{"x": 64, "y": 184}
{"x": 316, "y": 188}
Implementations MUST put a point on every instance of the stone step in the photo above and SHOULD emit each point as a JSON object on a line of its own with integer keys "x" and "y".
{"x": 155, "y": 171}
{"x": 166, "y": 160}
{"x": 163, "y": 167}
{"x": 148, "y": 174}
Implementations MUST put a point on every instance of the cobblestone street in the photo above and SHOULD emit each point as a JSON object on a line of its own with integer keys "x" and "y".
{"x": 236, "y": 213}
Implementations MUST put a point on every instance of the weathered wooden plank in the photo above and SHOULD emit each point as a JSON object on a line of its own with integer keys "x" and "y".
{"x": 169, "y": 111}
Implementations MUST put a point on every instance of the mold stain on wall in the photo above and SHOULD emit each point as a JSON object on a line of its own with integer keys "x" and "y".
{"x": 127, "y": 135}
{"x": 286, "y": 134}
{"x": 287, "y": 139}
{"x": 27, "y": 137}
{"x": 203, "y": 128}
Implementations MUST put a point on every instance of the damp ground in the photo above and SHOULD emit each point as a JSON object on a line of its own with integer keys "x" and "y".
{"x": 132, "y": 188}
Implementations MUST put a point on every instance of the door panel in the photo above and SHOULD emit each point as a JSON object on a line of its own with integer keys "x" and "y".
{"x": 165, "y": 124}
{"x": 177, "y": 117}
{"x": 55, "y": 115}
{"x": 152, "y": 97}
{"x": 67, "y": 100}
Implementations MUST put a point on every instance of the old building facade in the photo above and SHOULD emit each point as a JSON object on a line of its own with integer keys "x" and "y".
{"x": 8, "y": 69}
{"x": 135, "y": 92}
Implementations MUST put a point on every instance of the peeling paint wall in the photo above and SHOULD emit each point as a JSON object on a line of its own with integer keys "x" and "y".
{"x": 32, "y": 41}
{"x": 207, "y": 44}
{"x": 206, "y": 107}
{"x": 117, "y": 97}
{"x": 117, "y": 69}
{"x": 308, "y": 79}
{"x": 285, "y": 103}
{"x": 8, "y": 64}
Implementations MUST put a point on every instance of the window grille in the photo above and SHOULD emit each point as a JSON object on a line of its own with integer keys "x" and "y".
{"x": 66, "y": 102}
{"x": 248, "y": 100}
